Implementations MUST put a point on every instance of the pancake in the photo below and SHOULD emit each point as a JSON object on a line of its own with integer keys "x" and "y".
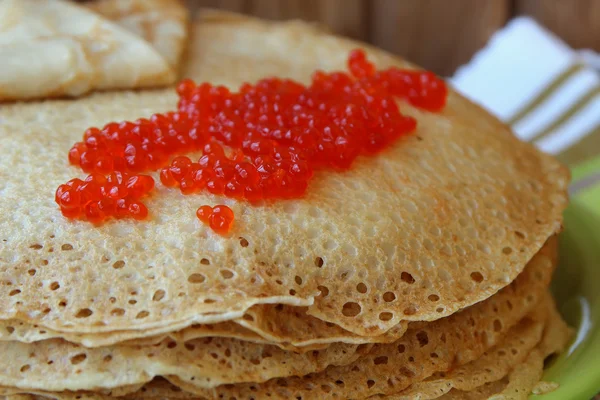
{"x": 439, "y": 221}
{"x": 162, "y": 23}
{"x": 521, "y": 341}
{"x": 425, "y": 349}
{"x": 287, "y": 327}
{"x": 518, "y": 361}
{"x": 55, "y": 48}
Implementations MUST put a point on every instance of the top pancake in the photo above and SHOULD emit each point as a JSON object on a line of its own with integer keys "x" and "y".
{"x": 442, "y": 219}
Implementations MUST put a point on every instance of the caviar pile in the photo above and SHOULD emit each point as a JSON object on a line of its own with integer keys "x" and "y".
{"x": 277, "y": 132}
{"x": 99, "y": 197}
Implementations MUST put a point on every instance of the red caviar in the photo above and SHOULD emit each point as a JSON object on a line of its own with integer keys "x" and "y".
{"x": 276, "y": 133}
{"x": 219, "y": 218}
{"x": 99, "y": 197}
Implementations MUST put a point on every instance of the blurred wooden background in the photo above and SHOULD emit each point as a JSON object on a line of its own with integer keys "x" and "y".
{"x": 439, "y": 35}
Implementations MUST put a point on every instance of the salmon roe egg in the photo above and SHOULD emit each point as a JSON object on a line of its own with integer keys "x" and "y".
{"x": 264, "y": 141}
{"x": 219, "y": 218}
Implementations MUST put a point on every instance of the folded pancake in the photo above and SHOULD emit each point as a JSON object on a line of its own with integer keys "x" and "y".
{"x": 441, "y": 220}
{"x": 162, "y": 23}
{"x": 53, "y": 48}
{"x": 206, "y": 366}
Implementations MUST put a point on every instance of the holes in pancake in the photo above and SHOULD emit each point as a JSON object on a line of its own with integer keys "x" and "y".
{"x": 196, "y": 278}
{"x": 244, "y": 242}
{"x": 14, "y": 292}
{"x": 340, "y": 383}
{"x": 172, "y": 345}
{"x": 62, "y": 303}
{"x": 346, "y": 274}
{"x": 158, "y": 295}
{"x": 520, "y": 234}
{"x": 319, "y": 262}
{"x": 433, "y": 298}
{"x": 477, "y": 276}
{"x": 10, "y": 330}
{"x": 209, "y": 301}
{"x": 54, "y": 286}
{"x": 78, "y": 358}
{"x": 407, "y": 278}
{"x": 117, "y": 312}
{"x": 497, "y": 325}
{"x": 388, "y": 297}
{"x": 361, "y": 288}
{"x": 84, "y": 313}
{"x": 406, "y": 372}
{"x": 370, "y": 383}
{"x": 298, "y": 280}
{"x": 132, "y": 301}
{"x": 324, "y": 291}
{"x": 25, "y": 368}
{"x": 118, "y": 264}
{"x": 66, "y": 247}
{"x": 351, "y": 309}
{"x": 326, "y": 388}
{"x": 380, "y": 360}
{"x": 205, "y": 261}
{"x": 507, "y": 250}
{"x": 248, "y": 317}
{"x": 433, "y": 355}
{"x": 36, "y": 246}
{"x": 410, "y": 310}
{"x": 31, "y": 272}
{"x": 190, "y": 346}
{"x": 386, "y": 316}
{"x": 226, "y": 274}
{"x": 142, "y": 314}
{"x": 422, "y": 338}
{"x": 401, "y": 348}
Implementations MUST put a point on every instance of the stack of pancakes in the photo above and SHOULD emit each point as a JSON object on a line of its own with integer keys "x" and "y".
{"x": 420, "y": 273}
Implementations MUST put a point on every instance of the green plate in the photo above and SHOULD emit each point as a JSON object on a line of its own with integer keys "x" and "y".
{"x": 576, "y": 286}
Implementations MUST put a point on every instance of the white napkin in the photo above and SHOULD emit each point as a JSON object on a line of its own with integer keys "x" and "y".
{"x": 529, "y": 78}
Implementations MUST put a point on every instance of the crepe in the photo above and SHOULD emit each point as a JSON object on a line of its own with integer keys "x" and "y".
{"x": 437, "y": 222}
{"x": 205, "y": 366}
{"x": 536, "y": 336}
{"x": 287, "y": 327}
{"x": 519, "y": 359}
{"x": 54, "y": 48}
{"x": 162, "y": 23}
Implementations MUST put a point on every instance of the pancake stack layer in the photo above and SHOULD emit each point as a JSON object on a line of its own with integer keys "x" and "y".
{"x": 421, "y": 273}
